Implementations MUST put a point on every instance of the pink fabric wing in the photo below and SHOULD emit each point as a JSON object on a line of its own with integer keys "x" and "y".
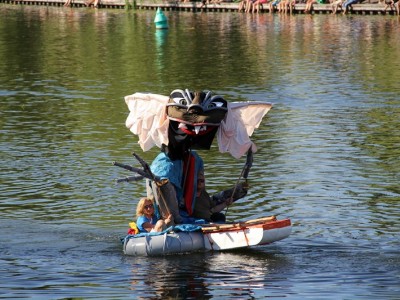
{"x": 147, "y": 119}
{"x": 239, "y": 124}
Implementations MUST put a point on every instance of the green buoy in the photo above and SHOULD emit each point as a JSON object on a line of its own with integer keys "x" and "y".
{"x": 160, "y": 20}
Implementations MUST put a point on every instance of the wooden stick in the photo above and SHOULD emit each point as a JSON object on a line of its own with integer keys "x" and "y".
{"x": 157, "y": 181}
{"x": 264, "y": 219}
{"x": 219, "y": 227}
{"x": 245, "y": 172}
{"x": 213, "y": 227}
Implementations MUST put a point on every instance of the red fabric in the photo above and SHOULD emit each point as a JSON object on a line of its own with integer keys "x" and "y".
{"x": 131, "y": 231}
{"x": 189, "y": 183}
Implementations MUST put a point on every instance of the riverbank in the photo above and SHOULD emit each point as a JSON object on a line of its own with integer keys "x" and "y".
{"x": 299, "y": 8}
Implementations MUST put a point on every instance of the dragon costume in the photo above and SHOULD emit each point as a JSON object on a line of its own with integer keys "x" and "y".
{"x": 182, "y": 122}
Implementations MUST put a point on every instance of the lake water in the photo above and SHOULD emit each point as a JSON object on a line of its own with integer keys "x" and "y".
{"x": 328, "y": 154}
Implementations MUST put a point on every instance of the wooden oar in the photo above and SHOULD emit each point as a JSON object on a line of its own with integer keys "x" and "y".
{"x": 214, "y": 227}
{"x": 219, "y": 227}
{"x": 261, "y": 220}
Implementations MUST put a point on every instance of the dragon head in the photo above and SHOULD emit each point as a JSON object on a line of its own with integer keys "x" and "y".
{"x": 190, "y": 120}
{"x": 194, "y": 118}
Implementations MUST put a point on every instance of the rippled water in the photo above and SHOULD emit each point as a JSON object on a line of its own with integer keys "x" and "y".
{"x": 327, "y": 159}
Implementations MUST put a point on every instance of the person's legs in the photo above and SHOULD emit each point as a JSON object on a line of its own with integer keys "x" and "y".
{"x": 387, "y": 5}
{"x": 241, "y": 5}
{"x": 166, "y": 200}
{"x": 160, "y": 226}
{"x": 249, "y": 5}
{"x": 256, "y": 6}
{"x": 335, "y": 6}
{"x": 344, "y": 6}
{"x": 286, "y": 6}
{"x": 308, "y": 6}
{"x": 279, "y": 6}
{"x": 292, "y": 5}
{"x": 271, "y": 6}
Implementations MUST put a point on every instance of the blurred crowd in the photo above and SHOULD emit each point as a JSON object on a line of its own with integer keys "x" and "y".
{"x": 284, "y": 6}
{"x": 287, "y": 6}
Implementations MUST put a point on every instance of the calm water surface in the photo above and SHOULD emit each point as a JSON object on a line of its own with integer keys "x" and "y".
{"x": 328, "y": 153}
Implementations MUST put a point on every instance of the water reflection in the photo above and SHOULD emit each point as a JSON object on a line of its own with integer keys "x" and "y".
{"x": 237, "y": 274}
{"x": 179, "y": 277}
{"x": 161, "y": 43}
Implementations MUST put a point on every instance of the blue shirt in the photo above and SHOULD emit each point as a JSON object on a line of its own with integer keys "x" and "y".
{"x": 165, "y": 168}
{"x": 143, "y": 219}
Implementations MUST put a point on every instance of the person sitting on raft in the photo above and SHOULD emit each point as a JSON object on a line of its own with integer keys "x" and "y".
{"x": 147, "y": 220}
{"x": 209, "y": 207}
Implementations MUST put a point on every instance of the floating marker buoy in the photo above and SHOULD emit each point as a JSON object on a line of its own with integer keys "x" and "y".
{"x": 160, "y": 20}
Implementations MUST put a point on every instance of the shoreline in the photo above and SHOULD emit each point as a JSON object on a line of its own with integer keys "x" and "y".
{"x": 298, "y": 8}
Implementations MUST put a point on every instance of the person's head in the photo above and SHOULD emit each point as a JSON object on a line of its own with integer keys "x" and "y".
{"x": 145, "y": 207}
{"x": 201, "y": 181}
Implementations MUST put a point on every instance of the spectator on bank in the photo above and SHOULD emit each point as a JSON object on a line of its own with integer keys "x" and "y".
{"x": 273, "y": 5}
{"x": 250, "y": 5}
{"x": 242, "y": 5}
{"x": 205, "y": 2}
{"x": 286, "y": 6}
{"x": 258, "y": 4}
{"x": 392, "y": 4}
{"x": 94, "y": 2}
{"x": 281, "y": 5}
{"x": 335, "y": 5}
{"x": 309, "y": 5}
{"x": 347, "y": 4}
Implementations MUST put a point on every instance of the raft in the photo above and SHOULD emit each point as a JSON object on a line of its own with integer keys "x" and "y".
{"x": 208, "y": 237}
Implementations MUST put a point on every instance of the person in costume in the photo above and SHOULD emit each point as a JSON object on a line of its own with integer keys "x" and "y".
{"x": 180, "y": 123}
{"x": 209, "y": 207}
{"x": 194, "y": 118}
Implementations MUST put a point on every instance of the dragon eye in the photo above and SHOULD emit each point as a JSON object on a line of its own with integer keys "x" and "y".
{"x": 215, "y": 104}
{"x": 181, "y": 101}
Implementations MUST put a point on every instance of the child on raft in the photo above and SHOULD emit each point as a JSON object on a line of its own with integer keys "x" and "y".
{"x": 147, "y": 220}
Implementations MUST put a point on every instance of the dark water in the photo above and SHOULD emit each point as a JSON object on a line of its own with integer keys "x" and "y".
{"x": 328, "y": 153}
